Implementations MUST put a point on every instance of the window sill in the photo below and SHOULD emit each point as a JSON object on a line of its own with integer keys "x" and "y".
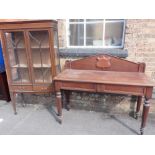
{"x": 84, "y": 52}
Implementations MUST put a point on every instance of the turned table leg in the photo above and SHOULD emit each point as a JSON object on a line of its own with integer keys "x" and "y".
{"x": 23, "y": 100}
{"x": 139, "y": 101}
{"x": 59, "y": 105}
{"x": 13, "y": 100}
{"x": 67, "y": 99}
{"x": 146, "y": 108}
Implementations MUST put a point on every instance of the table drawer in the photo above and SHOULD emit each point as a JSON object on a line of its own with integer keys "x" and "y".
{"x": 120, "y": 89}
{"x": 78, "y": 86}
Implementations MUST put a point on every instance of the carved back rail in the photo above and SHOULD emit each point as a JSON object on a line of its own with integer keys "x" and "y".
{"x": 105, "y": 62}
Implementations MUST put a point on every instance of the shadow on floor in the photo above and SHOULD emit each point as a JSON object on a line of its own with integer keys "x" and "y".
{"x": 51, "y": 110}
{"x": 54, "y": 114}
{"x": 125, "y": 125}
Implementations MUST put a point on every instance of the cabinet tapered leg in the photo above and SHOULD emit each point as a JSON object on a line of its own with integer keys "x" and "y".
{"x": 67, "y": 100}
{"x": 59, "y": 105}
{"x": 13, "y": 100}
{"x": 146, "y": 108}
{"x": 139, "y": 102}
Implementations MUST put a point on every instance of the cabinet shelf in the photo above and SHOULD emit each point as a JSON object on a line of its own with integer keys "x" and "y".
{"x": 42, "y": 81}
{"x": 35, "y": 48}
{"x": 21, "y": 81}
{"x": 44, "y": 47}
{"x": 41, "y": 66}
{"x": 19, "y": 48}
{"x": 20, "y": 66}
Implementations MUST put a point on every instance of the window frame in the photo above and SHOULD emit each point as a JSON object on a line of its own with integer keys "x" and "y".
{"x": 94, "y": 22}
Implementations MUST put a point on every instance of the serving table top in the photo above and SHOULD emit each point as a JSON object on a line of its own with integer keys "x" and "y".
{"x": 106, "y": 77}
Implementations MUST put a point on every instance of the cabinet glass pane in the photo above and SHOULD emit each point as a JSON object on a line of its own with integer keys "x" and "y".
{"x": 38, "y": 75}
{"x": 41, "y": 60}
{"x": 17, "y": 56}
{"x": 57, "y": 57}
{"x": 47, "y": 75}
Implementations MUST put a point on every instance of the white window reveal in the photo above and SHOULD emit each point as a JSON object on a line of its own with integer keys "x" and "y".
{"x": 101, "y": 33}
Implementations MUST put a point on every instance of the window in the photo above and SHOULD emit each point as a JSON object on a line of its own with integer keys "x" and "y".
{"x": 105, "y": 33}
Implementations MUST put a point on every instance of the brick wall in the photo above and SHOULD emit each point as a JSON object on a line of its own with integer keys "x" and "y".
{"x": 62, "y": 32}
{"x": 139, "y": 41}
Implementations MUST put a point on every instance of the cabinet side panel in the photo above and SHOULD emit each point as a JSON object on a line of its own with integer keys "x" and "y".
{"x": 52, "y": 54}
{"x": 5, "y": 55}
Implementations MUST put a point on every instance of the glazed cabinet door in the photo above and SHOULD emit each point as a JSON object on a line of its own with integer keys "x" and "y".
{"x": 40, "y": 56}
{"x": 17, "y": 57}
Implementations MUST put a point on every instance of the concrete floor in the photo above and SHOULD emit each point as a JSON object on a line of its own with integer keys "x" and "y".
{"x": 41, "y": 120}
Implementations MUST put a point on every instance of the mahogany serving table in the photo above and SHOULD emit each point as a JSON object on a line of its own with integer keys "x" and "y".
{"x": 103, "y": 81}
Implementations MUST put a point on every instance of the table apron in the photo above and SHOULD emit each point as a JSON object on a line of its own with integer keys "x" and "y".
{"x": 103, "y": 88}
{"x": 90, "y": 87}
{"x": 120, "y": 89}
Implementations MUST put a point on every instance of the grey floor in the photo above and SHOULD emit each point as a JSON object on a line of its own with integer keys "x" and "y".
{"x": 41, "y": 120}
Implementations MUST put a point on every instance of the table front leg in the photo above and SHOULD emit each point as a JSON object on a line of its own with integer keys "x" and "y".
{"x": 139, "y": 101}
{"x": 59, "y": 105}
{"x": 146, "y": 108}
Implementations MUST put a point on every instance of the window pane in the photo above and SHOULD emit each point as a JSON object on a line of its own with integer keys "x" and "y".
{"x": 76, "y": 35}
{"x": 114, "y": 34}
{"x": 76, "y": 20}
{"x": 94, "y": 34}
{"x": 91, "y": 20}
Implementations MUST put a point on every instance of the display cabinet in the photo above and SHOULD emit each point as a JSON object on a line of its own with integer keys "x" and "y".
{"x": 30, "y": 50}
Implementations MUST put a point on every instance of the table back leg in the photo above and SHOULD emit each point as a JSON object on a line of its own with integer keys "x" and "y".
{"x": 59, "y": 105}
{"x": 67, "y": 99}
{"x": 139, "y": 101}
